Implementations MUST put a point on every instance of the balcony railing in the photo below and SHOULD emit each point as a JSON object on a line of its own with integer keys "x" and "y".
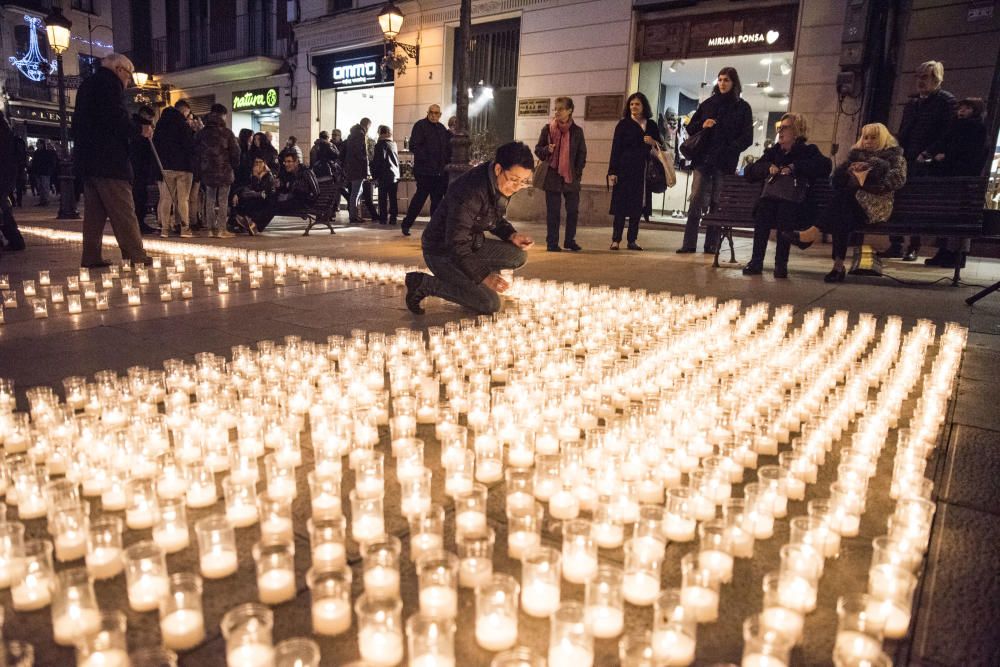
{"x": 243, "y": 36}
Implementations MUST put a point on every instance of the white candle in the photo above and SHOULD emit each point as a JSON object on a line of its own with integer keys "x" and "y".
{"x": 241, "y": 515}
{"x": 540, "y": 599}
{"x": 678, "y": 528}
{"x": 170, "y": 486}
{"x": 331, "y": 555}
{"x": 763, "y": 526}
{"x": 250, "y": 655}
{"x": 761, "y": 660}
{"x": 579, "y": 567}
{"x": 218, "y": 563}
{"x": 702, "y": 602}
{"x": 570, "y": 654}
{"x": 31, "y": 593}
{"x": 111, "y": 657}
{"x": 276, "y": 586}
{"x": 276, "y": 529}
{"x": 604, "y": 621}
{"x": 489, "y": 471}
{"x": 640, "y": 588}
{"x": 608, "y": 535}
{"x": 171, "y": 537}
{"x": 145, "y": 593}
{"x": 182, "y": 629}
{"x": 672, "y": 648}
{"x": 326, "y": 505}
{"x": 742, "y": 543}
{"x": 423, "y": 543}
{"x": 897, "y": 621}
{"x": 849, "y": 525}
{"x": 331, "y": 616}
{"x": 470, "y": 522}
{"x": 381, "y": 647}
{"x": 719, "y": 563}
{"x": 563, "y": 505}
{"x": 857, "y": 646}
{"x": 139, "y": 518}
{"x": 201, "y": 495}
{"x": 474, "y": 571}
{"x": 104, "y": 562}
{"x": 368, "y": 528}
{"x": 519, "y": 541}
{"x": 797, "y": 593}
{"x": 32, "y": 507}
{"x": 438, "y": 601}
{"x": 496, "y": 632}
{"x": 786, "y": 621}
{"x": 70, "y": 545}
{"x": 382, "y": 582}
{"x": 75, "y": 624}
{"x": 457, "y": 485}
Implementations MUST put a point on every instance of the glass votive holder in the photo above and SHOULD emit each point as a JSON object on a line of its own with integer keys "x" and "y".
{"x": 678, "y": 519}
{"x": 369, "y": 477}
{"x": 56, "y": 294}
{"x": 32, "y": 577}
{"x": 802, "y": 560}
{"x": 860, "y": 622}
{"x": 170, "y": 532}
{"x": 141, "y": 506}
{"x": 608, "y": 526}
{"x": 496, "y": 612}
{"x": 641, "y": 584}
{"x": 104, "y": 548}
{"x": 275, "y": 517}
{"x": 145, "y": 576}
{"x": 297, "y": 652}
{"x": 74, "y": 607}
{"x": 635, "y": 649}
{"x": 893, "y": 588}
{"x": 187, "y": 289}
{"x": 824, "y": 510}
{"x": 760, "y": 509}
{"x": 165, "y": 293}
{"x": 524, "y": 530}
{"x": 331, "y": 600}
{"x": 762, "y": 645}
{"x": 605, "y": 602}
{"x": 182, "y": 621}
{"x": 459, "y": 474}
{"x": 28, "y": 287}
{"x": 102, "y": 301}
{"x": 241, "y": 501}
{"x": 217, "y": 555}
{"x": 381, "y": 568}
{"x": 570, "y": 641}
{"x": 470, "y": 511}
{"x": 415, "y": 493}
{"x": 699, "y": 590}
{"x": 430, "y": 640}
{"x": 324, "y": 496}
{"x": 106, "y": 645}
{"x": 437, "y": 576}
{"x": 380, "y": 630}
{"x": 520, "y": 656}
{"x": 280, "y": 479}
{"x": 40, "y": 308}
{"x": 519, "y": 485}
{"x": 579, "y": 551}
{"x": 715, "y": 552}
{"x": 896, "y": 552}
{"x": 132, "y": 296}
{"x": 475, "y": 553}
{"x": 674, "y": 630}
{"x": 739, "y": 525}
{"x": 327, "y": 540}
{"x": 775, "y": 615}
{"x": 426, "y": 532}
{"x": 367, "y": 518}
{"x": 74, "y": 304}
{"x": 275, "y": 566}
{"x": 69, "y": 527}
{"x": 247, "y": 631}
{"x": 201, "y": 489}
{"x": 409, "y": 455}
{"x": 11, "y": 551}
{"x": 540, "y": 581}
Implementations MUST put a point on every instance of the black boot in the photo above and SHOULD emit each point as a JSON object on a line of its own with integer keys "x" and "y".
{"x": 414, "y": 292}
{"x": 754, "y": 267}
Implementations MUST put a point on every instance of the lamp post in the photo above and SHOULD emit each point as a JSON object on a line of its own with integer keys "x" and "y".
{"x": 57, "y": 28}
{"x": 390, "y": 19}
{"x": 460, "y": 140}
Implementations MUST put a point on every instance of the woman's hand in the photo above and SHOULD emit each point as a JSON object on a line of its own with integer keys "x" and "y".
{"x": 773, "y": 169}
{"x": 650, "y": 140}
{"x": 709, "y": 123}
{"x": 786, "y": 171}
{"x": 859, "y": 166}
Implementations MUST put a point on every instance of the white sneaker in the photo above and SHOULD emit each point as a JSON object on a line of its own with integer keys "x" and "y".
{"x": 225, "y": 234}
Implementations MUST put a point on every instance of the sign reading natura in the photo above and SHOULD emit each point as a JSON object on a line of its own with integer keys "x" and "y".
{"x": 261, "y": 98}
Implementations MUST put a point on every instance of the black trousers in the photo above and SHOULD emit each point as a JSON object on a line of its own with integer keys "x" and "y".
{"x": 840, "y": 219}
{"x": 552, "y": 206}
{"x": 261, "y": 211}
{"x": 388, "y": 207}
{"x": 619, "y": 225}
{"x": 8, "y": 226}
{"x": 427, "y": 186}
{"x": 774, "y": 214}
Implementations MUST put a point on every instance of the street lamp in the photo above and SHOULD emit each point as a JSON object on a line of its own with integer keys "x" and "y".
{"x": 390, "y": 19}
{"x": 57, "y": 28}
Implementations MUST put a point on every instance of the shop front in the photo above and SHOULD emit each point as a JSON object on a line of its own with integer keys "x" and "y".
{"x": 257, "y": 109}
{"x": 253, "y": 103}
{"x": 680, "y": 56}
{"x": 35, "y": 123}
{"x": 351, "y": 85}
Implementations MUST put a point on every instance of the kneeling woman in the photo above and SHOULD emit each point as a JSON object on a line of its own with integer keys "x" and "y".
{"x": 789, "y": 168}
{"x": 864, "y": 187}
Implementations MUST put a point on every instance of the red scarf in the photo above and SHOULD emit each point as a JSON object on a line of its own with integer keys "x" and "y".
{"x": 559, "y": 160}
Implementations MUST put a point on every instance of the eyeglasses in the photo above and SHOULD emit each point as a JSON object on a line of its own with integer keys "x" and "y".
{"x": 519, "y": 182}
{"x": 783, "y": 126}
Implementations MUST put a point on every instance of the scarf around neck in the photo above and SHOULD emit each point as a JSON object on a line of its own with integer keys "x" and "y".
{"x": 559, "y": 160}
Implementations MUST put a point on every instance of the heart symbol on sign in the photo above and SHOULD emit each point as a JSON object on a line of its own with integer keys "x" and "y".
{"x": 771, "y": 36}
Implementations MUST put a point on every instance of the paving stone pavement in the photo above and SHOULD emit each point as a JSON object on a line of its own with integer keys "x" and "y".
{"x": 959, "y": 597}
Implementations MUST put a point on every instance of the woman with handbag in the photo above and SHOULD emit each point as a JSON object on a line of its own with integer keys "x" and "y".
{"x": 720, "y": 129}
{"x": 563, "y": 154}
{"x": 864, "y": 188}
{"x": 634, "y": 137}
{"x": 788, "y": 169}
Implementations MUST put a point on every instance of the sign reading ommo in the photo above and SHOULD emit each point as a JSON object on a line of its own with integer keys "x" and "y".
{"x": 347, "y": 69}
{"x": 261, "y": 98}
{"x": 363, "y": 72}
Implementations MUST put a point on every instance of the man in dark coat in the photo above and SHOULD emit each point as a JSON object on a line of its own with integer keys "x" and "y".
{"x": 217, "y": 156}
{"x": 144, "y": 167}
{"x": 43, "y": 167}
{"x": 9, "y": 166}
{"x": 322, "y": 155}
{"x": 385, "y": 170}
{"x": 466, "y": 265}
{"x": 174, "y": 141}
{"x": 356, "y": 167}
{"x": 102, "y": 131}
{"x": 926, "y": 118}
{"x": 430, "y": 147}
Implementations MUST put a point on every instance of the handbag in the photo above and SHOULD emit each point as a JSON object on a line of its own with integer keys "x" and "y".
{"x": 656, "y": 175}
{"x": 785, "y": 187}
{"x": 666, "y": 158}
{"x": 695, "y": 146}
{"x": 538, "y": 177}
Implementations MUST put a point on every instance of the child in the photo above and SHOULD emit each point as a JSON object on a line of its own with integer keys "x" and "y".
{"x": 385, "y": 170}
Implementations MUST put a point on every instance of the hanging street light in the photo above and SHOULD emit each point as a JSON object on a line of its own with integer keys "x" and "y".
{"x": 390, "y": 20}
{"x": 57, "y": 28}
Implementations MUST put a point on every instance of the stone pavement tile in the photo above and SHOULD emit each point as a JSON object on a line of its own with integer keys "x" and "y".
{"x": 971, "y": 474}
{"x": 981, "y": 363}
{"x": 971, "y": 408}
{"x": 959, "y": 603}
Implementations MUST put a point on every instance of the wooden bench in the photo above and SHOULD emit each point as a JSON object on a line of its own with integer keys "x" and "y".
{"x": 925, "y": 206}
{"x": 320, "y": 212}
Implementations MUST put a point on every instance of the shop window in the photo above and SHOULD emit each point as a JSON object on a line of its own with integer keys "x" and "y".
{"x": 84, "y": 6}
{"x": 340, "y": 5}
{"x": 493, "y": 81}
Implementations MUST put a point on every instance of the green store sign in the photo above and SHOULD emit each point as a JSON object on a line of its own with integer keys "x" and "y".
{"x": 261, "y": 98}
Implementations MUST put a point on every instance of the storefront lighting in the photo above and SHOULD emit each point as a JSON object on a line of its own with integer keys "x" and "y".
{"x": 390, "y": 20}
{"x": 765, "y": 61}
{"x": 140, "y": 78}
{"x": 785, "y": 67}
{"x": 783, "y": 101}
{"x": 677, "y": 64}
{"x": 57, "y": 29}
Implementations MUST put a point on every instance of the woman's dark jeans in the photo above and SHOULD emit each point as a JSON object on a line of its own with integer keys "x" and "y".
{"x": 451, "y": 284}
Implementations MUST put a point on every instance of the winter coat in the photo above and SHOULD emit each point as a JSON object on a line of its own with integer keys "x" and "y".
{"x": 10, "y": 163}
{"x": 731, "y": 135}
{"x": 290, "y": 150}
{"x": 322, "y": 158}
{"x": 101, "y": 128}
{"x": 300, "y": 186}
{"x": 886, "y": 175}
{"x": 629, "y": 153}
{"x": 577, "y": 158}
{"x": 174, "y": 141}
{"x": 471, "y": 207}
{"x": 925, "y": 120}
{"x": 268, "y": 153}
{"x": 430, "y": 147}
{"x": 805, "y": 161}
{"x": 217, "y": 153}
{"x": 385, "y": 163}
{"x": 965, "y": 148}
{"x": 356, "y": 155}
{"x": 144, "y": 167}
{"x": 259, "y": 188}
{"x": 44, "y": 162}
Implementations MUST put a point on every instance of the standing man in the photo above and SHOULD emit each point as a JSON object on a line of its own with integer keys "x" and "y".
{"x": 291, "y": 147}
{"x": 43, "y": 167}
{"x": 101, "y": 133}
{"x": 218, "y": 155}
{"x": 429, "y": 145}
{"x": 174, "y": 141}
{"x": 385, "y": 169}
{"x": 356, "y": 166}
{"x": 145, "y": 171}
{"x": 466, "y": 265}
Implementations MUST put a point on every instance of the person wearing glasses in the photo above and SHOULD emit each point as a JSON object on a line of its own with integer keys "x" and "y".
{"x": 102, "y": 130}
{"x": 562, "y": 145}
{"x": 787, "y": 169}
{"x": 466, "y": 266}
{"x": 430, "y": 147}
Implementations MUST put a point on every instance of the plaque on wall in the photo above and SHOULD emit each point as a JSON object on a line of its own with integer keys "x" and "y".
{"x": 603, "y": 107}
{"x": 747, "y": 31}
{"x": 533, "y": 106}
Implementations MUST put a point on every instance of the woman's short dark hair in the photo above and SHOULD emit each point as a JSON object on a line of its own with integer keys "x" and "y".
{"x": 976, "y": 104}
{"x": 383, "y": 130}
{"x": 647, "y": 111}
{"x": 734, "y": 77}
{"x": 219, "y": 109}
{"x": 565, "y": 101}
{"x": 515, "y": 154}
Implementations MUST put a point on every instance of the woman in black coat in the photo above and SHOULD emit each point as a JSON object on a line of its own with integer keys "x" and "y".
{"x": 9, "y": 165}
{"x": 728, "y": 121}
{"x": 254, "y": 202}
{"x": 790, "y": 158}
{"x": 562, "y": 145}
{"x": 634, "y": 137}
{"x": 263, "y": 149}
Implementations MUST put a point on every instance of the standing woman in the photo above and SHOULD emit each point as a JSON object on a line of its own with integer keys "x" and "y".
{"x": 727, "y": 121}
{"x": 562, "y": 145}
{"x": 634, "y": 137}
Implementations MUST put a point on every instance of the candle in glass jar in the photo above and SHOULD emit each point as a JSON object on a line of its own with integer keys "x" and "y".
{"x": 640, "y": 588}
{"x": 183, "y": 629}
{"x": 104, "y": 562}
{"x": 678, "y": 528}
{"x": 331, "y": 555}
{"x": 438, "y": 601}
{"x": 604, "y": 621}
{"x": 474, "y": 571}
{"x": 380, "y": 647}
{"x": 672, "y": 648}
{"x": 31, "y": 593}
{"x": 276, "y": 586}
{"x": 70, "y": 545}
{"x": 75, "y": 623}
{"x": 145, "y": 593}
{"x": 719, "y": 563}
{"x": 496, "y": 632}
{"x": 783, "y": 620}
{"x": 569, "y": 653}
{"x": 331, "y": 616}
{"x": 381, "y": 582}
{"x": 540, "y": 599}
{"x": 218, "y": 563}
{"x": 250, "y": 655}
{"x": 519, "y": 541}
{"x": 702, "y": 602}
{"x": 171, "y": 537}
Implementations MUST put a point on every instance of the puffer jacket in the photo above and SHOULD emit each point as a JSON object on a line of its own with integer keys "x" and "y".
{"x": 356, "y": 159}
{"x": 217, "y": 153}
{"x": 174, "y": 140}
{"x": 886, "y": 175}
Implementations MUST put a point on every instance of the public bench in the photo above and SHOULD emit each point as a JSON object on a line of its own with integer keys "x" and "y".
{"x": 925, "y": 206}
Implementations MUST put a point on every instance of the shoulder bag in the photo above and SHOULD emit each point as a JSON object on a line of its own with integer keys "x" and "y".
{"x": 541, "y": 171}
{"x": 785, "y": 187}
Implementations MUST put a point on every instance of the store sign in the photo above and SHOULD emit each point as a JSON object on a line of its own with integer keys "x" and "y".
{"x": 362, "y": 67}
{"x": 36, "y": 114}
{"x": 752, "y": 38}
{"x": 741, "y": 32}
{"x": 533, "y": 106}
{"x": 261, "y": 98}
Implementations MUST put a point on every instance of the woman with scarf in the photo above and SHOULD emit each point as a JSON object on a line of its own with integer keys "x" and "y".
{"x": 635, "y": 135}
{"x": 562, "y": 145}
{"x": 726, "y": 121}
